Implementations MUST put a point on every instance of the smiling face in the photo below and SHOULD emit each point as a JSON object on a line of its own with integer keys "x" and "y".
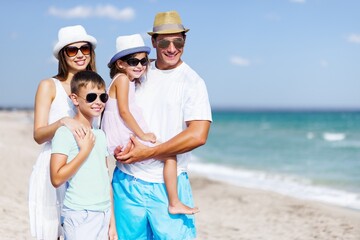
{"x": 81, "y": 59}
{"x": 89, "y": 106}
{"x": 169, "y": 49}
{"x": 88, "y": 95}
{"x": 135, "y": 66}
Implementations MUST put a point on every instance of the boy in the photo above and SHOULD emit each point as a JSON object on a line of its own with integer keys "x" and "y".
{"x": 82, "y": 164}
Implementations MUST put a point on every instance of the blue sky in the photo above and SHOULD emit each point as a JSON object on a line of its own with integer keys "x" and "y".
{"x": 282, "y": 54}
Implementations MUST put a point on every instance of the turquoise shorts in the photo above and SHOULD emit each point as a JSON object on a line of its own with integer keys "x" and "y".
{"x": 141, "y": 209}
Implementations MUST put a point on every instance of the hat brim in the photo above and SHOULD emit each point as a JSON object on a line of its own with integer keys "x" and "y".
{"x": 127, "y": 52}
{"x": 61, "y": 45}
{"x": 169, "y": 31}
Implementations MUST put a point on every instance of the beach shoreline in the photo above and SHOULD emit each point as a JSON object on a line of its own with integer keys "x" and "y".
{"x": 226, "y": 211}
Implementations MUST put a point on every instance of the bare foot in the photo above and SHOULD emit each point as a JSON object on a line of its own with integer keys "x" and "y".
{"x": 180, "y": 208}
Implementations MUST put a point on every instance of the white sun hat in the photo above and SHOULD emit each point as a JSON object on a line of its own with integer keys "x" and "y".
{"x": 129, "y": 44}
{"x": 72, "y": 34}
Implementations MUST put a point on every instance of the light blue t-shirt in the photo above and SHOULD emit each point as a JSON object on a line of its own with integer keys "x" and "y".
{"x": 89, "y": 188}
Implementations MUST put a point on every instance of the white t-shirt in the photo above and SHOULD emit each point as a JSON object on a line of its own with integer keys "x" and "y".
{"x": 168, "y": 99}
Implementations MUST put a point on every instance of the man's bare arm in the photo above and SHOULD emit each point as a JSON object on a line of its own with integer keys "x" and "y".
{"x": 195, "y": 135}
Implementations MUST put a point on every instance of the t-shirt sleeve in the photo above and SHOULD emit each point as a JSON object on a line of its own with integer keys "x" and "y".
{"x": 196, "y": 104}
{"x": 104, "y": 144}
{"x": 61, "y": 141}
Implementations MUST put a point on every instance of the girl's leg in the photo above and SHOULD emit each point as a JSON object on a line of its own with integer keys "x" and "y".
{"x": 170, "y": 178}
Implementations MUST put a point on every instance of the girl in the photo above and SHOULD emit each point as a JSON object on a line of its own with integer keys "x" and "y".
{"x": 122, "y": 117}
{"x": 53, "y": 108}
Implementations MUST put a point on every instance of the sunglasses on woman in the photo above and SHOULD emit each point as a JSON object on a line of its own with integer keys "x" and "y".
{"x": 91, "y": 97}
{"x": 178, "y": 43}
{"x": 134, "y": 62}
{"x": 72, "y": 51}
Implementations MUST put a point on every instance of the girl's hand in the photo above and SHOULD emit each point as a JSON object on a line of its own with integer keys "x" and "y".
{"x": 148, "y": 137}
{"x": 75, "y": 126}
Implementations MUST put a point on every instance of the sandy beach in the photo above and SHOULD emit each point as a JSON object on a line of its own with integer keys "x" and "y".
{"x": 227, "y": 212}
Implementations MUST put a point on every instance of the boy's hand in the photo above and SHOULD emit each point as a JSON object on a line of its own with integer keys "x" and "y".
{"x": 112, "y": 232}
{"x": 86, "y": 143}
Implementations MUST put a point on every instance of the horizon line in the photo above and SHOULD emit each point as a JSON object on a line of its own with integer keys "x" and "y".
{"x": 238, "y": 109}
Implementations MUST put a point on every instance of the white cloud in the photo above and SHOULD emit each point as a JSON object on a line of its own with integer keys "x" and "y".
{"x": 240, "y": 61}
{"x": 76, "y": 12}
{"x": 102, "y": 11}
{"x": 298, "y": 1}
{"x": 354, "y": 38}
{"x": 114, "y": 13}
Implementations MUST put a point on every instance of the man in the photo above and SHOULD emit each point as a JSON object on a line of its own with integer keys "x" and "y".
{"x": 175, "y": 105}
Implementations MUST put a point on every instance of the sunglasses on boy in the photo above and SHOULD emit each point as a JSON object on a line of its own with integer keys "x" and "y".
{"x": 134, "y": 62}
{"x": 91, "y": 97}
{"x": 178, "y": 43}
{"x": 72, "y": 51}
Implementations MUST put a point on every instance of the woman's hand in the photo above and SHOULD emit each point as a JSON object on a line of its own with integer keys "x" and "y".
{"x": 75, "y": 126}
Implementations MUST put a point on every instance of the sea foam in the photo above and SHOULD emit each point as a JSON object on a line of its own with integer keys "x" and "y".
{"x": 334, "y": 136}
{"x": 286, "y": 185}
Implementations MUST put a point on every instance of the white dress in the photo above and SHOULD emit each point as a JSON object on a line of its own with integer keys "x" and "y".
{"x": 45, "y": 201}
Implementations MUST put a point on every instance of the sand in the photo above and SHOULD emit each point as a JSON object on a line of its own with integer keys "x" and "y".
{"x": 226, "y": 211}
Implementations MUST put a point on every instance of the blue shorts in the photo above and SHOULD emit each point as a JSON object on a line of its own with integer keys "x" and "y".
{"x": 141, "y": 209}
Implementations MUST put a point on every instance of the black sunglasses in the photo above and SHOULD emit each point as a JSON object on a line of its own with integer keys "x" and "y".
{"x": 90, "y": 97}
{"x": 72, "y": 51}
{"x": 178, "y": 43}
{"x": 134, "y": 62}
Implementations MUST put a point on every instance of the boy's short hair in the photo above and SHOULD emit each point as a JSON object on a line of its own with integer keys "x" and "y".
{"x": 83, "y": 78}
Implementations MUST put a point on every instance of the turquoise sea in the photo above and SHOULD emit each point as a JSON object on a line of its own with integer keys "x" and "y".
{"x": 308, "y": 155}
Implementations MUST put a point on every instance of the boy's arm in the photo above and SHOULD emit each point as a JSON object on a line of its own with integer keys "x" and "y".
{"x": 60, "y": 170}
{"x": 112, "y": 226}
{"x": 195, "y": 135}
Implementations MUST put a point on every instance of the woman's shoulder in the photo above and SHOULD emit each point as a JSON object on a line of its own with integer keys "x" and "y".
{"x": 47, "y": 85}
{"x": 49, "y": 82}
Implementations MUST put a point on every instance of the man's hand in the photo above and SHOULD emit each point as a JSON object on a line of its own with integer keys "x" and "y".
{"x": 135, "y": 151}
{"x": 119, "y": 151}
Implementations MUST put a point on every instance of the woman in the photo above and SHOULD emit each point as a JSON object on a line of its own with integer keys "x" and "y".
{"x": 53, "y": 108}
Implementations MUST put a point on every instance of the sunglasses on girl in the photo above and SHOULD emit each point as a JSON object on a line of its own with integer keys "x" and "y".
{"x": 134, "y": 62}
{"x": 178, "y": 43}
{"x": 72, "y": 51}
{"x": 91, "y": 97}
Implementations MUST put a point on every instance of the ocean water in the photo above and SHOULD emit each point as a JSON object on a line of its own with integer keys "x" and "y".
{"x": 308, "y": 155}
